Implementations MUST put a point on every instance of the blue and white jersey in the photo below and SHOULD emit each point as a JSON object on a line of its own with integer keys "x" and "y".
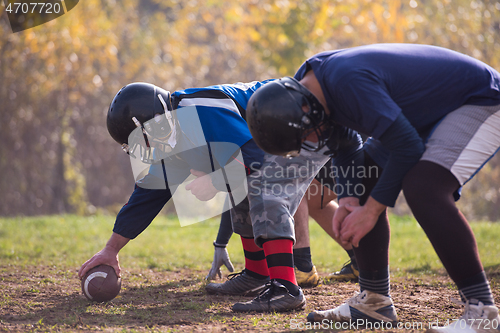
{"x": 221, "y": 113}
{"x": 221, "y": 109}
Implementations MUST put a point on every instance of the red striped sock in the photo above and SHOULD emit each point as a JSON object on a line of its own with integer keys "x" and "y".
{"x": 279, "y": 256}
{"x": 255, "y": 259}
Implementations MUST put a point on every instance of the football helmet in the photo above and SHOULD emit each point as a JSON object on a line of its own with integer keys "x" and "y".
{"x": 282, "y": 113}
{"x": 140, "y": 118}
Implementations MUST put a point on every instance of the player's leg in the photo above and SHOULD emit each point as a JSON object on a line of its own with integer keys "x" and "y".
{"x": 322, "y": 206}
{"x": 307, "y": 275}
{"x": 301, "y": 219}
{"x": 254, "y": 277}
{"x": 255, "y": 264}
{"x": 305, "y": 271}
{"x": 319, "y": 203}
{"x": 459, "y": 146}
{"x": 374, "y": 302}
{"x": 275, "y": 194}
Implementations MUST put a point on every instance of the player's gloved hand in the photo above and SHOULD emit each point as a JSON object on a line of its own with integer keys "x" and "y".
{"x": 221, "y": 257}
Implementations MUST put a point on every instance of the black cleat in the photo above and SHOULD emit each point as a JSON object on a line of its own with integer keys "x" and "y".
{"x": 348, "y": 272}
{"x": 238, "y": 284}
{"x": 275, "y": 297}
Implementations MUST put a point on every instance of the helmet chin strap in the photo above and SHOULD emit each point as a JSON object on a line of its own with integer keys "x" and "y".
{"x": 172, "y": 140}
{"x": 147, "y": 156}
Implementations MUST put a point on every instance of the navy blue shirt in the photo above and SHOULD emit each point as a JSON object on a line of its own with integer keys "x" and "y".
{"x": 369, "y": 88}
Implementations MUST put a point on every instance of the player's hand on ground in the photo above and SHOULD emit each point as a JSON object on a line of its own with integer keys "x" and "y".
{"x": 221, "y": 257}
{"x": 202, "y": 187}
{"x": 106, "y": 256}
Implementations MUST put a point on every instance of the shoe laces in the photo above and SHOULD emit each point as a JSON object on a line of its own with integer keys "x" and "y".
{"x": 270, "y": 290}
{"x": 346, "y": 264}
{"x": 235, "y": 275}
{"x": 358, "y": 297}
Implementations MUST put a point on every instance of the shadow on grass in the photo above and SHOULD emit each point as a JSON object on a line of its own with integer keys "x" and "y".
{"x": 427, "y": 270}
{"x": 492, "y": 271}
{"x": 182, "y": 302}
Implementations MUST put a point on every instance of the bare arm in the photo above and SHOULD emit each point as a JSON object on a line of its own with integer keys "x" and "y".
{"x": 107, "y": 256}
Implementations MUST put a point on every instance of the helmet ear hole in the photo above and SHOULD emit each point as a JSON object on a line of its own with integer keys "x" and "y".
{"x": 304, "y": 101}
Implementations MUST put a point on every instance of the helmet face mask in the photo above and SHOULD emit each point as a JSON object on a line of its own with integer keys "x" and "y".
{"x": 322, "y": 131}
{"x": 141, "y": 119}
{"x": 149, "y": 147}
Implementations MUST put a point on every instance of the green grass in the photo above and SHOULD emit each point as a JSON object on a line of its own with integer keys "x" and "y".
{"x": 68, "y": 241}
{"x": 40, "y": 255}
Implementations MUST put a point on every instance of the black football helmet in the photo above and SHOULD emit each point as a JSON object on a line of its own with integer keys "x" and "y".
{"x": 140, "y": 117}
{"x": 282, "y": 113}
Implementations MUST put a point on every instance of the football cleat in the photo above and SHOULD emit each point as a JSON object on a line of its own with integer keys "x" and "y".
{"x": 348, "y": 272}
{"x": 477, "y": 318}
{"x": 275, "y": 298}
{"x": 307, "y": 279}
{"x": 238, "y": 284}
{"x": 366, "y": 306}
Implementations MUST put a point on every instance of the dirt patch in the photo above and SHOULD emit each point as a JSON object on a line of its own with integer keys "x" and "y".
{"x": 49, "y": 299}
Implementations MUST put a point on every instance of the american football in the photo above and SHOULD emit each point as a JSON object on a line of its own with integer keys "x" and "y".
{"x": 101, "y": 284}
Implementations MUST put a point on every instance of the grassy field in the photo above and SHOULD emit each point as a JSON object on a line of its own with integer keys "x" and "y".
{"x": 67, "y": 241}
{"x": 163, "y": 270}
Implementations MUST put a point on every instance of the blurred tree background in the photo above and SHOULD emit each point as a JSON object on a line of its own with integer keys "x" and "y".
{"x": 57, "y": 79}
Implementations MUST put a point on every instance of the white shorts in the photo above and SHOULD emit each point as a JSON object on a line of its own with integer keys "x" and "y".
{"x": 465, "y": 140}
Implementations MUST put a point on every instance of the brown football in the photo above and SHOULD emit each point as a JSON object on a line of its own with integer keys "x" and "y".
{"x": 101, "y": 284}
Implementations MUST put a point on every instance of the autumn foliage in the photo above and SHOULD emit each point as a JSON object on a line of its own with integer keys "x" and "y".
{"x": 57, "y": 79}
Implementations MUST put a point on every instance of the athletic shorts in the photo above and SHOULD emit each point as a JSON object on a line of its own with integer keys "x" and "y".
{"x": 462, "y": 142}
{"x": 465, "y": 140}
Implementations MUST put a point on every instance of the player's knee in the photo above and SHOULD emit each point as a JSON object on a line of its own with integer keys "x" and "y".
{"x": 429, "y": 183}
{"x": 417, "y": 189}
